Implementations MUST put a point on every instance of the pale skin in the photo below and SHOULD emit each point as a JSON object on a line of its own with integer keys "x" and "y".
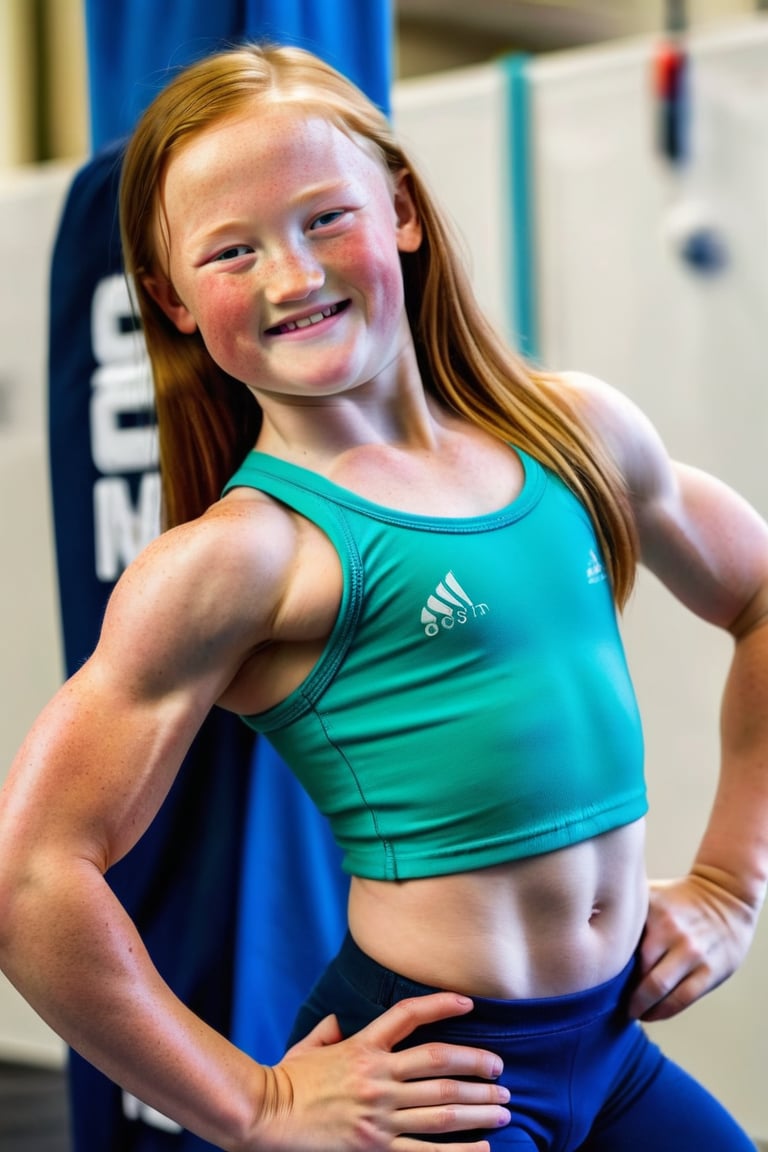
{"x": 234, "y": 609}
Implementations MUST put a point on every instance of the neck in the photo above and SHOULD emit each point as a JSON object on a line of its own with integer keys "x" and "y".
{"x": 315, "y": 431}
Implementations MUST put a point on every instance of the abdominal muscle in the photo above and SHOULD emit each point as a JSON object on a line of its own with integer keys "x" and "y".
{"x": 547, "y": 925}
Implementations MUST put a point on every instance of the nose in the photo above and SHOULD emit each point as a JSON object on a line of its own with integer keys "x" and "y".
{"x": 293, "y": 274}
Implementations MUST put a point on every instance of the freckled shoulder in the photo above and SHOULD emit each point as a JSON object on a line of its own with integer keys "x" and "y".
{"x": 625, "y": 432}
{"x": 212, "y": 586}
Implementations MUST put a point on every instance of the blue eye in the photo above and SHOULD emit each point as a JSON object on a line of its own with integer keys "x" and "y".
{"x": 327, "y": 218}
{"x": 233, "y": 252}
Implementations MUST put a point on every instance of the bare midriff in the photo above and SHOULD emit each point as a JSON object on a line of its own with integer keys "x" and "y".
{"x": 547, "y": 925}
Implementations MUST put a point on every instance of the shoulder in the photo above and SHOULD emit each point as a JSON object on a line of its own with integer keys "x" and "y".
{"x": 209, "y": 590}
{"x": 243, "y": 537}
{"x": 706, "y": 544}
{"x": 625, "y": 432}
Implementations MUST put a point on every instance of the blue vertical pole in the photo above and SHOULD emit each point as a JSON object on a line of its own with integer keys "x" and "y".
{"x": 521, "y": 254}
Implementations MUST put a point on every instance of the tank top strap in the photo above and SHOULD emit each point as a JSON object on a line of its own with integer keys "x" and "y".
{"x": 292, "y": 487}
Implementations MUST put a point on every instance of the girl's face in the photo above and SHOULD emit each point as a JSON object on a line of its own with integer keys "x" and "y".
{"x": 283, "y": 239}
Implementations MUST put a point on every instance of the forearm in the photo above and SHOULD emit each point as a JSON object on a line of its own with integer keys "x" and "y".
{"x": 734, "y": 848}
{"x": 73, "y": 953}
{"x": 80, "y": 963}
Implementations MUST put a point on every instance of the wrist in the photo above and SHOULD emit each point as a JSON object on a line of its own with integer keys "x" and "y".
{"x": 747, "y": 892}
{"x": 272, "y": 1097}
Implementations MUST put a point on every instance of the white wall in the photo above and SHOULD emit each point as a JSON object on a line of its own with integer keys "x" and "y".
{"x": 453, "y": 125}
{"x": 617, "y": 300}
{"x": 31, "y": 662}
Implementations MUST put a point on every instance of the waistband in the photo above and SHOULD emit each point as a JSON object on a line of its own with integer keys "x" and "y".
{"x": 385, "y": 987}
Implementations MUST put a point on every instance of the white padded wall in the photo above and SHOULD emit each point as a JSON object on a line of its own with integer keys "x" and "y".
{"x": 617, "y": 300}
{"x": 454, "y": 125}
{"x": 31, "y": 662}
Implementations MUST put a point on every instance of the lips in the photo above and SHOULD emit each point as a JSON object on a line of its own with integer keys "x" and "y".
{"x": 309, "y": 320}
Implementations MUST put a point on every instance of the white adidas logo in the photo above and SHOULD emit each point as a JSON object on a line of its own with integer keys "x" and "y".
{"x": 448, "y": 605}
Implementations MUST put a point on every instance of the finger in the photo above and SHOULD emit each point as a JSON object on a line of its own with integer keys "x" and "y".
{"x": 686, "y": 992}
{"x": 667, "y": 989}
{"x": 438, "y": 1059}
{"x": 655, "y": 985}
{"x": 448, "y": 1118}
{"x": 434, "y": 1093}
{"x": 667, "y": 1006}
{"x": 404, "y": 1017}
{"x": 652, "y": 950}
{"x": 322, "y": 1035}
{"x": 406, "y": 1144}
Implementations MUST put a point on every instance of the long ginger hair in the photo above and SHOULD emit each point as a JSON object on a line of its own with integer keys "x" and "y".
{"x": 208, "y": 421}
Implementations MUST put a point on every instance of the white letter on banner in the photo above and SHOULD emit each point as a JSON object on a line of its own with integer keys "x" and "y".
{"x": 122, "y": 530}
{"x": 123, "y": 431}
{"x": 117, "y": 444}
{"x": 115, "y": 338}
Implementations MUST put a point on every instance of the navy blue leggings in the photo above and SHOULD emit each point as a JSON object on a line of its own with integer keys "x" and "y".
{"x": 580, "y": 1073}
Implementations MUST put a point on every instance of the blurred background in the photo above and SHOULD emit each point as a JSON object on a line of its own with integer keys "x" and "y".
{"x": 43, "y": 83}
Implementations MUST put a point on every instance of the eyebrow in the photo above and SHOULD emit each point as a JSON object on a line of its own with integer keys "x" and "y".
{"x": 305, "y": 197}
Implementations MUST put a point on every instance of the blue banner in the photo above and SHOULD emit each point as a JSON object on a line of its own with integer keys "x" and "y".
{"x": 131, "y": 45}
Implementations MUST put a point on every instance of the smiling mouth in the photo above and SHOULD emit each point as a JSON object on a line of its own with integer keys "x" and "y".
{"x": 308, "y": 321}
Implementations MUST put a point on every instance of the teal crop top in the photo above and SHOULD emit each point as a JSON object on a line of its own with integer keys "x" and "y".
{"x": 473, "y": 703}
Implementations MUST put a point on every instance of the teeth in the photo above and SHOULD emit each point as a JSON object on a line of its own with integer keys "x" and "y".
{"x": 308, "y": 321}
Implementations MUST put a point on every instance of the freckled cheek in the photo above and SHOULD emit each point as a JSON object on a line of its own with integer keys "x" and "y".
{"x": 392, "y": 299}
{"x": 225, "y": 316}
{"x": 377, "y": 271}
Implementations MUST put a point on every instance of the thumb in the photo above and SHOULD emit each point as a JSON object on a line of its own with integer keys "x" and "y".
{"x": 325, "y": 1033}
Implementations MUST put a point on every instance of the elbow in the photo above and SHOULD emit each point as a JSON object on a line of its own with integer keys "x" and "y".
{"x": 752, "y": 616}
{"x": 20, "y": 880}
{"x": 12, "y": 886}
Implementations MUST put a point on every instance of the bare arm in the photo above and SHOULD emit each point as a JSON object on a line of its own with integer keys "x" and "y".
{"x": 86, "y": 784}
{"x": 710, "y": 548}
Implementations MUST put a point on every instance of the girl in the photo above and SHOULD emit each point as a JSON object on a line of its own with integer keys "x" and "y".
{"x": 410, "y": 586}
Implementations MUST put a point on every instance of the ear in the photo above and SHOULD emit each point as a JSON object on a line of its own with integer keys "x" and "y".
{"x": 408, "y": 222}
{"x": 164, "y": 295}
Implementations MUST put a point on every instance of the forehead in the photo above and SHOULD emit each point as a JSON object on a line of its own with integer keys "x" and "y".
{"x": 268, "y": 145}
